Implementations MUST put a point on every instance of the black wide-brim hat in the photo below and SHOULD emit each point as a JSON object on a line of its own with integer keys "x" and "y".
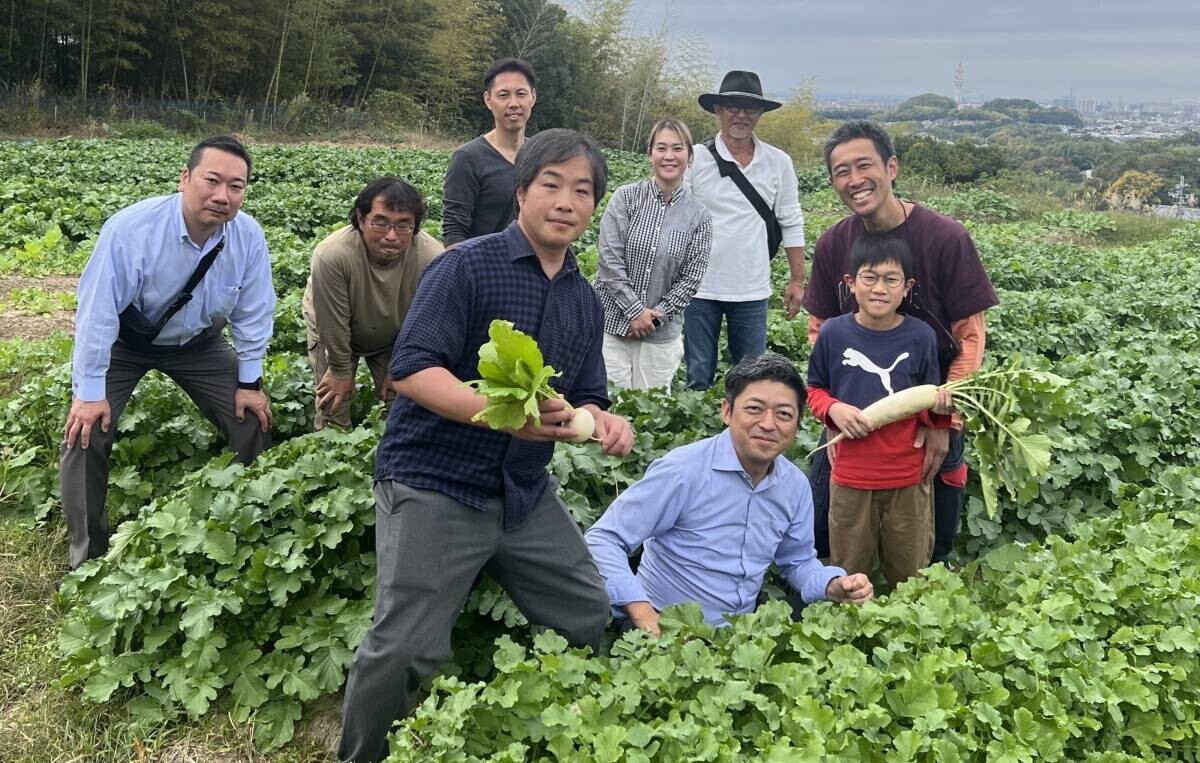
{"x": 738, "y": 86}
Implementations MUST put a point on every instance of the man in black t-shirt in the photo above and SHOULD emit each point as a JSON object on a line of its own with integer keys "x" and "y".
{"x": 477, "y": 196}
{"x": 952, "y": 286}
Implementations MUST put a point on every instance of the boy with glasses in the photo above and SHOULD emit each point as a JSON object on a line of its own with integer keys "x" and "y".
{"x": 362, "y": 281}
{"x": 877, "y": 498}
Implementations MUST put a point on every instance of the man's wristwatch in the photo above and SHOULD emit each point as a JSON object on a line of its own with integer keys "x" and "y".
{"x": 255, "y": 385}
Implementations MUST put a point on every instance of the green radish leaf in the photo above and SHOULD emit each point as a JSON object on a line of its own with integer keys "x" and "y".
{"x": 513, "y": 377}
{"x": 1036, "y": 451}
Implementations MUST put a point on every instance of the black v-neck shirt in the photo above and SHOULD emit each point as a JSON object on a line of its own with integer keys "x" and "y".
{"x": 479, "y": 195}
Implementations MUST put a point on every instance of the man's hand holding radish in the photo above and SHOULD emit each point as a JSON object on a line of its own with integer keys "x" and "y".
{"x": 613, "y": 432}
{"x": 548, "y": 426}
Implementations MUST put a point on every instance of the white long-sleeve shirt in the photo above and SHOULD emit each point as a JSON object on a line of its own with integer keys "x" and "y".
{"x": 738, "y": 268}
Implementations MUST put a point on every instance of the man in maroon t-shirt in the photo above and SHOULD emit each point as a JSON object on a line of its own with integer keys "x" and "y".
{"x": 952, "y": 288}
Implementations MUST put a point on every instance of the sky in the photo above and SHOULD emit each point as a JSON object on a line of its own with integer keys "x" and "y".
{"x": 1040, "y": 49}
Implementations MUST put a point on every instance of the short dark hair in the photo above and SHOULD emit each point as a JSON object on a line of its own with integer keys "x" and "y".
{"x": 855, "y": 130}
{"x": 503, "y": 65}
{"x": 226, "y": 143}
{"x": 397, "y": 196}
{"x": 871, "y": 249}
{"x": 770, "y": 366}
{"x": 555, "y": 147}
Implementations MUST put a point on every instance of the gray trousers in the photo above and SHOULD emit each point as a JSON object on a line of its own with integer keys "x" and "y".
{"x": 207, "y": 371}
{"x": 429, "y": 549}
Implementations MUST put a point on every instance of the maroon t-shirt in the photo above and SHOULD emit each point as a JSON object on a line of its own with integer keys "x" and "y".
{"x": 951, "y": 281}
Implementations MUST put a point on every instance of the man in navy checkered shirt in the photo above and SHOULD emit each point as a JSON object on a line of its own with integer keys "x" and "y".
{"x": 453, "y": 497}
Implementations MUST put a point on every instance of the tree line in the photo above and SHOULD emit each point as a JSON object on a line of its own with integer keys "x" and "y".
{"x": 417, "y": 61}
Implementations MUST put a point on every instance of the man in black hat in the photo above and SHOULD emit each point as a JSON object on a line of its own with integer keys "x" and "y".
{"x": 750, "y": 188}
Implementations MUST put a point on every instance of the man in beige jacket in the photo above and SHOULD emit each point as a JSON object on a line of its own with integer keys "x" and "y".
{"x": 363, "y": 277}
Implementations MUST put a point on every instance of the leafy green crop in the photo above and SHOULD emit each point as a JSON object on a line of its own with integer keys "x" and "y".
{"x": 258, "y": 582}
{"x": 245, "y": 591}
{"x": 515, "y": 380}
{"x": 1055, "y": 651}
{"x": 1009, "y": 450}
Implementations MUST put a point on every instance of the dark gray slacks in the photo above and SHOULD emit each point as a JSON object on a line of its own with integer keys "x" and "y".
{"x": 429, "y": 549}
{"x": 207, "y": 372}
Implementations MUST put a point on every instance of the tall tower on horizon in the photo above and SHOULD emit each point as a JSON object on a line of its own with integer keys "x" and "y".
{"x": 960, "y": 75}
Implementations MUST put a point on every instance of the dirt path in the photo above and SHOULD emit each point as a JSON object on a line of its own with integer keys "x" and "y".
{"x": 25, "y": 326}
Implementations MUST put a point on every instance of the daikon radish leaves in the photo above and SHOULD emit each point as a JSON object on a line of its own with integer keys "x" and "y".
{"x": 515, "y": 380}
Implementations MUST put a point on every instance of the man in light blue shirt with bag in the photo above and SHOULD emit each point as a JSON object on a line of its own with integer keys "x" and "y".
{"x": 165, "y": 277}
{"x": 712, "y": 516}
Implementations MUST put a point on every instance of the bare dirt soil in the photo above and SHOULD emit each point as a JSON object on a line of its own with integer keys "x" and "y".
{"x": 15, "y": 324}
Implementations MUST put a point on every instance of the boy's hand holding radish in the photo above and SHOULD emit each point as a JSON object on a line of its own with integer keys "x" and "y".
{"x": 850, "y": 420}
{"x": 943, "y": 402}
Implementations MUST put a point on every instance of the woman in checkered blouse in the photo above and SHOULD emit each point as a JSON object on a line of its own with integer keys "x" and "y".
{"x": 655, "y": 239}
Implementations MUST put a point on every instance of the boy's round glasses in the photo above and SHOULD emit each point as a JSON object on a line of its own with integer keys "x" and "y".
{"x": 891, "y": 280}
{"x": 382, "y": 226}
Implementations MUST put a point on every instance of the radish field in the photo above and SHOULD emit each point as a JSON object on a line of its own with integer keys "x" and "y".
{"x": 233, "y": 599}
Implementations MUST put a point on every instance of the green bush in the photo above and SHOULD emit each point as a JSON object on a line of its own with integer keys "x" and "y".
{"x": 977, "y": 204}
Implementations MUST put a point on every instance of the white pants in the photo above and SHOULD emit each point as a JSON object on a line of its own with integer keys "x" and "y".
{"x": 636, "y": 364}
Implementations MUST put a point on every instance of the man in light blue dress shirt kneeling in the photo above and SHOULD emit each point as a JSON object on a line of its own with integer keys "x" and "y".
{"x": 713, "y": 515}
{"x": 136, "y": 313}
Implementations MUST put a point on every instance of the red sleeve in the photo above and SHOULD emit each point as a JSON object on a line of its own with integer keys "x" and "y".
{"x": 814, "y": 328}
{"x": 819, "y": 402}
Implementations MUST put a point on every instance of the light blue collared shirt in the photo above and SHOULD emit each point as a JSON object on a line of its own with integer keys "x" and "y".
{"x": 708, "y": 536}
{"x": 144, "y": 257}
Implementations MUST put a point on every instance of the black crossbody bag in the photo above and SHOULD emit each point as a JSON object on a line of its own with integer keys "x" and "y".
{"x": 732, "y": 171}
{"x": 139, "y": 332}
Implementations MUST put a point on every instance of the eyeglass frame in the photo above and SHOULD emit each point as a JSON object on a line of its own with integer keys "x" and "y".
{"x": 876, "y": 278}
{"x": 379, "y": 226}
{"x": 733, "y": 107}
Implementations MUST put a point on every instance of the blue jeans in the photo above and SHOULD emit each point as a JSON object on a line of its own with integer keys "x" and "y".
{"x": 702, "y": 328}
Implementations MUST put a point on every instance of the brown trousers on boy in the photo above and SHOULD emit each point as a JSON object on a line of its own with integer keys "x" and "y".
{"x": 896, "y": 522}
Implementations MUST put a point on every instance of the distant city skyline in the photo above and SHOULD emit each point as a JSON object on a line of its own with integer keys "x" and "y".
{"x": 1015, "y": 49}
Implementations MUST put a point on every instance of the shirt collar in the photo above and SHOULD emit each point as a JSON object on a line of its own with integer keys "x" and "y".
{"x": 725, "y": 153}
{"x": 520, "y": 248}
{"x": 725, "y": 459}
{"x": 180, "y": 226}
{"x": 678, "y": 193}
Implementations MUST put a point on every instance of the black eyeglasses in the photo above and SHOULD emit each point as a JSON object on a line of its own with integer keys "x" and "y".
{"x": 750, "y": 111}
